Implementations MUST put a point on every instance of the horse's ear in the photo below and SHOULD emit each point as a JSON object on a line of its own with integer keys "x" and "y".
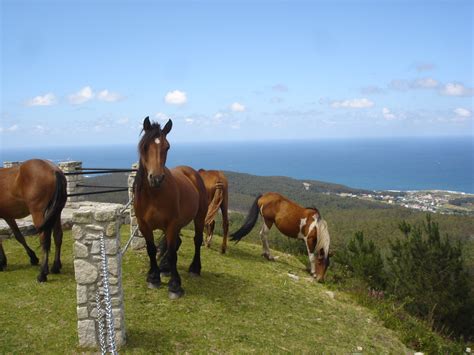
{"x": 167, "y": 128}
{"x": 146, "y": 124}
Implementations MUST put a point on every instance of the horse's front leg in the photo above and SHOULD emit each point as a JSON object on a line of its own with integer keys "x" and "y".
{"x": 174, "y": 286}
{"x": 3, "y": 257}
{"x": 153, "y": 277}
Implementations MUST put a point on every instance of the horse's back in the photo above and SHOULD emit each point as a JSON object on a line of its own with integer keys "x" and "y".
{"x": 192, "y": 189}
{"x": 26, "y": 187}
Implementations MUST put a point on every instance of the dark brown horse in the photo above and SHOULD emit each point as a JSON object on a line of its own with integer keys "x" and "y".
{"x": 167, "y": 200}
{"x": 293, "y": 221}
{"x": 35, "y": 187}
{"x": 217, "y": 188}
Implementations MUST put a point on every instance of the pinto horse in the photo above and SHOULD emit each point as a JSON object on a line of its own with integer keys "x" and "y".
{"x": 35, "y": 187}
{"x": 167, "y": 200}
{"x": 293, "y": 221}
{"x": 217, "y": 188}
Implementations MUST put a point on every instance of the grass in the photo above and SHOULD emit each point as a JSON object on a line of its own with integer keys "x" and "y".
{"x": 241, "y": 303}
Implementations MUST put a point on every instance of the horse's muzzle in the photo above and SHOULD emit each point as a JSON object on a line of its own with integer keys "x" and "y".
{"x": 156, "y": 180}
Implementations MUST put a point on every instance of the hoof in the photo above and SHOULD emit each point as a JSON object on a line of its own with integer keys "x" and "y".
{"x": 268, "y": 257}
{"x": 223, "y": 250}
{"x": 194, "y": 274}
{"x": 175, "y": 295}
{"x": 42, "y": 278}
{"x": 153, "y": 285}
{"x": 165, "y": 274}
{"x": 34, "y": 260}
{"x": 1, "y": 268}
{"x": 55, "y": 269}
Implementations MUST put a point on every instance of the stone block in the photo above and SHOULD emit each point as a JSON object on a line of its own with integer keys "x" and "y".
{"x": 82, "y": 313}
{"x": 87, "y": 333}
{"x": 81, "y": 294}
{"x": 80, "y": 250}
{"x": 85, "y": 272}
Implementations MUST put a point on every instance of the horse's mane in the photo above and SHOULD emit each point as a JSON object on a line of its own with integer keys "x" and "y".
{"x": 149, "y": 135}
{"x": 315, "y": 210}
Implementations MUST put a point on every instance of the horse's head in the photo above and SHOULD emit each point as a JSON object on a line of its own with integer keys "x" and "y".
{"x": 321, "y": 251}
{"x": 153, "y": 149}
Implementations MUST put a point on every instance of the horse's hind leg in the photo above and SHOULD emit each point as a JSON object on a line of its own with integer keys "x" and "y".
{"x": 225, "y": 225}
{"x": 58, "y": 239}
{"x": 195, "y": 267}
{"x": 3, "y": 257}
{"x": 266, "y": 225}
{"x": 164, "y": 261}
{"x": 21, "y": 239}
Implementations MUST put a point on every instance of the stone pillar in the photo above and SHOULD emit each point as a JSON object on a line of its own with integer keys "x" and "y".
{"x": 138, "y": 242}
{"x": 90, "y": 222}
{"x": 73, "y": 180}
{"x": 10, "y": 164}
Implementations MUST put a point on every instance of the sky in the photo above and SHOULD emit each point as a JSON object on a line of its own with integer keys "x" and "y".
{"x": 89, "y": 72}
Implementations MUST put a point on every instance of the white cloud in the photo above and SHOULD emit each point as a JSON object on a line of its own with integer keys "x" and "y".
{"x": 189, "y": 121}
{"x": 45, "y": 100}
{"x": 218, "y": 115}
{"x": 387, "y": 114}
{"x": 456, "y": 89}
{"x": 106, "y": 95}
{"x": 420, "y": 67}
{"x": 280, "y": 87}
{"x": 122, "y": 121}
{"x": 237, "y": 107}
{"x": 463, "y": 112}
{"x": 82, "y": 96}
{"x": 353, "y": 103}
{"x": 425, "y": 83}
{"x": 176, "y": 97}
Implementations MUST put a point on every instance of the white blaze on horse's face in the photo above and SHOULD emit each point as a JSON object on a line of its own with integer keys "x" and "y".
{"x": 157, "y": 140}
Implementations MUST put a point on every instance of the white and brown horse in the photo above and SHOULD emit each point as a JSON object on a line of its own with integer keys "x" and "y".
{"x": 217, "y": 188}
{"x": 35, "y": 187}
{"x": 293, "y": 221}
{"x": 167, "y": 199}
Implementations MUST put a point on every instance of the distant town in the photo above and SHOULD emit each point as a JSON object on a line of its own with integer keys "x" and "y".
{"x": 436, "y": 201}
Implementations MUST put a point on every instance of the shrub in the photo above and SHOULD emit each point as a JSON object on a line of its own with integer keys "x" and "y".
{"x": 426, "y": 272}
{"x": 364, "y": 260}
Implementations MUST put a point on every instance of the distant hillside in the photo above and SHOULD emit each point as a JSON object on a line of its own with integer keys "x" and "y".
{"x": 345, "y": 215}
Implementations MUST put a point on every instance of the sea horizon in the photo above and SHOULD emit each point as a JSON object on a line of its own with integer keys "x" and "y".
{"x": 392, "y": 163}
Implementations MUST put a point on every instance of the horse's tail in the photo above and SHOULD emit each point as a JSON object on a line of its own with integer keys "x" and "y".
{"x": 56, "y": 204}
{"x": 215, "y": 203}
{"x": 249, "y": 221}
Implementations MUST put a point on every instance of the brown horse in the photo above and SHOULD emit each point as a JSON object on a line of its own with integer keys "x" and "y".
{"x": 35, "y": 187}
{"x": 293, "y": 221}
{"x": 167, "y": 200}
{"x": 217, "y": 188}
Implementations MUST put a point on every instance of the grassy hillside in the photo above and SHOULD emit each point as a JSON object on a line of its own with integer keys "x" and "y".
{"x": 242, "y": 303}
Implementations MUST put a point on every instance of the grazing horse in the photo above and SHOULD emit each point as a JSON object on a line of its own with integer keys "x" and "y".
{"x": 217, "y": 188}
{"x": 293, "y": 221}
{"x": 167, "y": 199}
{"x": 35, "y": 187}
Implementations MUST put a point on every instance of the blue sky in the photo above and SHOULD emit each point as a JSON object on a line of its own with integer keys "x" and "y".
{"x": 88, "y": 72}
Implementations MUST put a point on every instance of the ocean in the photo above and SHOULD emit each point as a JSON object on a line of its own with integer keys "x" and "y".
{"x": 374, "y": 164}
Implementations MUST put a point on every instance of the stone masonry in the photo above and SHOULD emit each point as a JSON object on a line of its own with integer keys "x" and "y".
{"x": 89, "y": 224}
{"x": 138, "y": 242}
{"x": 73, "y": 180}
